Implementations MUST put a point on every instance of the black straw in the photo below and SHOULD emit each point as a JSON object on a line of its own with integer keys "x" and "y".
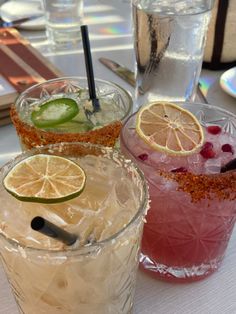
{"x": 89, "y": 67}
{"x": 231, "y": 165}
{"x": 47, "y": 228}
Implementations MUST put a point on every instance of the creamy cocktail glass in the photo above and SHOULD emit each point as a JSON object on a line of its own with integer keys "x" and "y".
{"x": 95, "y": 275}
{"x": 102, "y": 127}
{"x": 193, "y": 205}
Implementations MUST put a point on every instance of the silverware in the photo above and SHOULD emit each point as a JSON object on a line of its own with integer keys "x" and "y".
{"x": 201, "y": 94}
{"x": 18, "y": 22}
{"x": 128, "y": 76}
{"x": 120, "y": 70}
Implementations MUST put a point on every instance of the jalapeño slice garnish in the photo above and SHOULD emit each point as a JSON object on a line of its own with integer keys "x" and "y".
{"x": 54, "y": 112}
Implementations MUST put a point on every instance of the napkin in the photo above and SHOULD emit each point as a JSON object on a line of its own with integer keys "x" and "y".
{"x": 21, "y": 66}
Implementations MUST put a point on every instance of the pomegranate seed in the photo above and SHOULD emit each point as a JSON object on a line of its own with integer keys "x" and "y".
{"x": 214, "y": 129}
{"x": 208, "y": 145}
{"x": 227, "y": 148}
{"x": 207, "y": 151}
{"x": 180, "y": 169}
{"x": 143, "y": 157}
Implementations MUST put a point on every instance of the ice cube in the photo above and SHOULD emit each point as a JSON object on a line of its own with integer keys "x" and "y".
{"x": 225, "y": 158}
{"x": 213, "y": 165}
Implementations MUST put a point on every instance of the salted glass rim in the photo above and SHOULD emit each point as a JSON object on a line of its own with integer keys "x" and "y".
{"x": 96, "y": 245}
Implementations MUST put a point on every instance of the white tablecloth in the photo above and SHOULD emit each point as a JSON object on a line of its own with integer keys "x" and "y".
{"x": 110, "y": 34}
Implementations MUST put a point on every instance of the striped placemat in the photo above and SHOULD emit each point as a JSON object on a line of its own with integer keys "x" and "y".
{"x": 21, "y": 66}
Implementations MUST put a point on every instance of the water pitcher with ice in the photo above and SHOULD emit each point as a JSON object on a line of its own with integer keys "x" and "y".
{"x": 169, "y": 40}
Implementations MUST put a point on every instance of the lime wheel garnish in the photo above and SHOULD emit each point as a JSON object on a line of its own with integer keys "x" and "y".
{"x": 169, "y": 128}
{"x": 54, "y": 112}
{"x": 45, "y": 179}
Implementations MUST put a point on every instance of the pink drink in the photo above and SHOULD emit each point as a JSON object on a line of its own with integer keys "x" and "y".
{"x": 193, "y": 205}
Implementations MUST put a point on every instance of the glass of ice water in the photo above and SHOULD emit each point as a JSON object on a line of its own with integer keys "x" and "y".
{"x": 63, "y": 20}
{"x": 169, "y": 40}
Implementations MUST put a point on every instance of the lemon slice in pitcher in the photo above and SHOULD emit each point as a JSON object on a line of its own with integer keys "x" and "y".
{"x": 45, "y": 179}
{"x": 169, "y": 128}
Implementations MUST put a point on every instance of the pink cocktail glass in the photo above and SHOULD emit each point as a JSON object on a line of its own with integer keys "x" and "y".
{"x": 193, "y": 205}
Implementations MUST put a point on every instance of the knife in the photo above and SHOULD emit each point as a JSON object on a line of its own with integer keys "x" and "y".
{"x": 18, "y": 22}
{"x": 128, "y": 76}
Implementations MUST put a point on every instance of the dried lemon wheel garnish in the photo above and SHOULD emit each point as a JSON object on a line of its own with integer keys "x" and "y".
{"x": 169, "y": 128}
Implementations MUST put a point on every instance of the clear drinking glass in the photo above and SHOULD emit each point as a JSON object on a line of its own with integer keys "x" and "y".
{"x": 169, "y": 40}
{"x": 193, "y": 206}
{"x": 63, "y": 21}
{"x": 97, "y": 276}
{"x": 102, "y": 127}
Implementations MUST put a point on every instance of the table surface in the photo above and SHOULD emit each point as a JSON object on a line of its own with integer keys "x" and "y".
{"x": 111, "y": 37}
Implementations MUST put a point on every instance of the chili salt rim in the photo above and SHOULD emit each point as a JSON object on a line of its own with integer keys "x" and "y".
{"x": 32, "y": 136}
{"x": 205, "y": 186}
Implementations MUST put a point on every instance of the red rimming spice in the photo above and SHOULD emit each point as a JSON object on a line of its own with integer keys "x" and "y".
{"x": 200, "y": 186}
